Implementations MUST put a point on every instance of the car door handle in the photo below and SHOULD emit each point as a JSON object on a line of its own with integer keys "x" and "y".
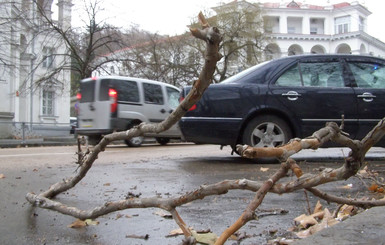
{"x": 367, "y": 97}
{"x": 291, "y": 95}
{"x": 92, "y": 108}
{"x": 162, "y": 111}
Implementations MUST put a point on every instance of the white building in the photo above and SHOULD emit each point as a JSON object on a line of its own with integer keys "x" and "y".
{"x": 27, "y": 53}
{"x": 299, "y": 28}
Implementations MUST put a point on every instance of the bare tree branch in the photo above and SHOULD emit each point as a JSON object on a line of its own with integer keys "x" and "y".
{"x": 331, "y": 132}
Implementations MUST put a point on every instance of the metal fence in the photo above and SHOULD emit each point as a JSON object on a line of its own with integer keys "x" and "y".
{"x": 26, "y": 130}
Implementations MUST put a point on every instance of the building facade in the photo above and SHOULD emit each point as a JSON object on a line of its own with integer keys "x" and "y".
{"x": 299, "y": 28}
{"x": 29, "y": 50}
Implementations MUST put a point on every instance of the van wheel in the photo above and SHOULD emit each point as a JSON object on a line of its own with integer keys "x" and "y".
{"x": 135, "y": 141}
{"x": 94, "y": 139}
{"x": 162, "y": 141}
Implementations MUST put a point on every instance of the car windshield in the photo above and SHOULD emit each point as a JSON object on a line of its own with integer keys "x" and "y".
{"x": 243, "y": 73}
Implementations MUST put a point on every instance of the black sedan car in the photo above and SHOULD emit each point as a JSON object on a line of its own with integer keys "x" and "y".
{"x": 270, "y": 103}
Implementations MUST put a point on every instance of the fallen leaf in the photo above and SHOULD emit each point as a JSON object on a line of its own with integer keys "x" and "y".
{"x": 318, "y": 207}
{"x": 2, "y": 176}
{"x": 91, "y": 222}
{"x": 264, "y": 169}
{"x": 319, "y": 215}
{"x": 348, "y": 186}
{"x": 326, "y": 222}
{"x": 77, "y": 224}
{"x": 163, "y": 214}
{"x": 346, "y": 211}
{"x": 281, "y": 241}
{"x": 175, "y": 232}
{"x": 106, "y": 184}
{"x": 373, "y": 187}
{"x": 306, "y": 220}
{"x": 233, "y": 237}
{"x": 205, "y": 238}
{"x": 82, "y": 223}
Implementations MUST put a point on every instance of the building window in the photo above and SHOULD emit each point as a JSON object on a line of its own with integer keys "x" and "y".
{"x": 362, "y": 24}
{"x": 48, "y": 103}
{"x": 290, "y": 29}
{"x": 313, "y": 30}
{"x": 342, "y": 24}
{"x": 294, "y": 25}
{"x": 48, "y": 57}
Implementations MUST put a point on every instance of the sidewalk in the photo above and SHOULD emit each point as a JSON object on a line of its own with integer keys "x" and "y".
{"x": 326, "y": 154}
{"x": 364, "y": 228}
{"x": 46, "y": 141}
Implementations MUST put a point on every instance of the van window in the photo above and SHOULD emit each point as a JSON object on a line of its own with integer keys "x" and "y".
{"x": 104, "y": 87}
{"x": 153, "y": 94}
{"x": 172, "y": 97}
{"x": 128, "y": 91}
{"x": 87, "y": 91}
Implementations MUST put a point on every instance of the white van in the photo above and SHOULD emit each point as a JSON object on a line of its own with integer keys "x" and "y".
{"x": 114, "y": 103}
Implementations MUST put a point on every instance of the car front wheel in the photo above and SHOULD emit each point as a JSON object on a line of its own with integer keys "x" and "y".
{"x": 266, "y": 131}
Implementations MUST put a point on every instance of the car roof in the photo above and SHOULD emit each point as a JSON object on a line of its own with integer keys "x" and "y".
{"x": 323, "y": 56}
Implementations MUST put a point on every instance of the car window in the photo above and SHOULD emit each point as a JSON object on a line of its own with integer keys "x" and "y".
{"x": 172, "y": 97}
{"x": 290, "y": 77}
{"x": 153, "y": 94}
{"x": 322, "y": 74}
{"x": 368, "y": 75}
{"x": 249, "y": 71}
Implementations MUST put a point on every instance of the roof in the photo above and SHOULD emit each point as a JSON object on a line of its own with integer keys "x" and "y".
{"x": 300, "y": 5}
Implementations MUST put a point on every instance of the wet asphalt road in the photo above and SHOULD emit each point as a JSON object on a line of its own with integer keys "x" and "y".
{"x": 148, "y": 171}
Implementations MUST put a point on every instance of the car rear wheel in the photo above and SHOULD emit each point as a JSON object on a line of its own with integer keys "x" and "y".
{"x": 266, "y": 131}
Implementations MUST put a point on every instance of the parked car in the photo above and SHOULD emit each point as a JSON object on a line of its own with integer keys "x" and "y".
{"x": 73, "y": 124}
{"x": 270, "y": 103}
{"x": 116, "y": 103}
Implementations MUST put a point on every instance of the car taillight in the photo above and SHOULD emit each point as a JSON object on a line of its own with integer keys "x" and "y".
{"x": 191, "y": 108}
{"x": 79, "y": 96}
{"x": 114, "y": 99}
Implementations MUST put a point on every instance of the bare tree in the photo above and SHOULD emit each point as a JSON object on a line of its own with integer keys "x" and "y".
{"x": 177, "y": 60}
{"x": 243, "y": 37}
{"x": 84, "y": 44}
{"x": 161, "y": 58}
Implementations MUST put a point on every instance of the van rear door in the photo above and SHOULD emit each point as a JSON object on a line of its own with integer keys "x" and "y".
{"x": 94, "y": 107}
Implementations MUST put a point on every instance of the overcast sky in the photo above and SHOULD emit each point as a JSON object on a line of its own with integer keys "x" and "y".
{"x": 172, "y": 16}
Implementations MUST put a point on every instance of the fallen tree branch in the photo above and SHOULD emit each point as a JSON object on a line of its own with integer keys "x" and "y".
{"x": 331, "y": 132}
{"x": 341, "y": 200}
